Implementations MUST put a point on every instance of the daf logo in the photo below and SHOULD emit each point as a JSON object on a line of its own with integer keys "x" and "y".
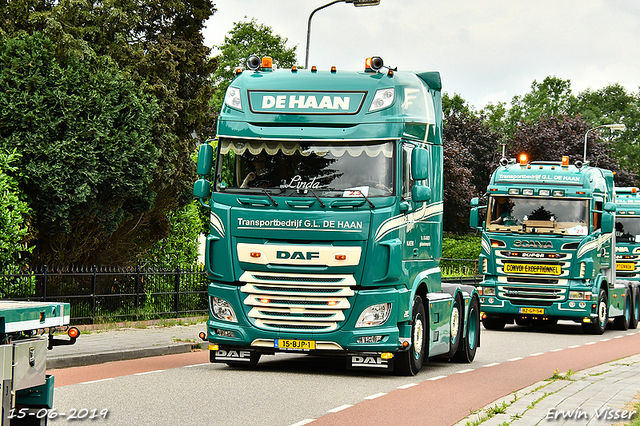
{"x": 297, "y": 255}
{"x": 533, "y": 243}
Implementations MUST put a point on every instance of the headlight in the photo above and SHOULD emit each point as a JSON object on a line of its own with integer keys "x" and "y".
{"x": 222, "y": 310}
{"x": 580, "y": 295}
{"x": 382, "y": 99}
{"x": 232, "y": 98}
{"x": 488, "y": 291}
{"x": 374, "y": 315}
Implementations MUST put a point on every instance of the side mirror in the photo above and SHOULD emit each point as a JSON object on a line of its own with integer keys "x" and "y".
{"x": 475, "y": 202}
{"x": 610, "y": 207}
{"x": 420, "y": 193}
{"x": 205, "y": 159}
{"x": 607, "y": 223}
{"x": 202, "y": 189}
{"x": 473, "y": 217}
{"x": 419, "y": 163}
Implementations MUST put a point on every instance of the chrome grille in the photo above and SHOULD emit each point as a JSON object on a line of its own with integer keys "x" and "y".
{"x": 518, "y": 293}
{"x": 295, "y": 302}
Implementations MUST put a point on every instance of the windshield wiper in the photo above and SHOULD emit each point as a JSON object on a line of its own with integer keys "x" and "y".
{"x": 317, "y": 198}
{"x": 275, "y": 203}
{"x": 368, "y": 200}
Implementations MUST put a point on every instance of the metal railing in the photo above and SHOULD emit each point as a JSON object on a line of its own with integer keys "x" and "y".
{"x": 105, "y": 294}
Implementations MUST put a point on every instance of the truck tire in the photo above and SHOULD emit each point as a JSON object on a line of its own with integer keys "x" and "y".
{"x": 622, "y": 322}
{"x": 600, "y": 324}
{"x": 469, "y": 344}
{"x": 456, "y": 323}
{"x": 635, "y": 308}
{"x": 409, "y": 362}
{"x": 493, "y": 323}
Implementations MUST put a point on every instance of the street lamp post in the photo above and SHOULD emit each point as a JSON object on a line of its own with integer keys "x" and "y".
{"x": 356, "y": 3}
{"x": 618, "y": 127}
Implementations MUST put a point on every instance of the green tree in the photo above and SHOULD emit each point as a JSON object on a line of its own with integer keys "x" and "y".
{"x": 481, "y": 142}
{"x": 84, "y": 132}
{"x": 245, "y": 39}
{"x": 158, "y": 47}
{"x": 180, "y": 247}
{"x": 550, "y": 97}
{"x": 15, "y": 214}
{"x": 613, "y": 104}
{"x": 564, "y": 135}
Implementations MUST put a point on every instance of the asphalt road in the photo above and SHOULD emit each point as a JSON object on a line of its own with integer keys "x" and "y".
{"x": 295, "y": 389}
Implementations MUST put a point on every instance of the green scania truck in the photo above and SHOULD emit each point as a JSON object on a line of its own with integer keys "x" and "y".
{"x": 326, "y": 220}
{"x": 628, "y": 245}
{"x": 548, "y": 248}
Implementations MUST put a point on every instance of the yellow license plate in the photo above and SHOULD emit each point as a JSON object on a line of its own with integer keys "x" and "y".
{"x": 625, "y": 266}
{"x": 304, "y": 345}
{"x": 526, "y": 268}
{"x": 536, "y": 311}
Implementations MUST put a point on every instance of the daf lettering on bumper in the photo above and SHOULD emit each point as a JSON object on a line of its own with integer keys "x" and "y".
{"x": 368, "y": 361}
{"x": 231, "y": 355}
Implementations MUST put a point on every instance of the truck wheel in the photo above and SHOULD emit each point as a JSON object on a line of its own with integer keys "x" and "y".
{"x": 469, "y": 344}
{"x": 456, "y": 322}
{"x": 493, "y": 323}
{"x": 622, "y": 323}
{"x": 409, "y": 362}
{"x": 635, "y": 308}
{"x": 599, "y": 326}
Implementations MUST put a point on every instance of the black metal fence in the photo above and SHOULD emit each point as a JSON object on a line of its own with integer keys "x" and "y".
{"x": 104, "y": 294}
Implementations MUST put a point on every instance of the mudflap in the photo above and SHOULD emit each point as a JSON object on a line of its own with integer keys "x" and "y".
{"x": 250, "y": 357}
{"x": 360, "y": 361}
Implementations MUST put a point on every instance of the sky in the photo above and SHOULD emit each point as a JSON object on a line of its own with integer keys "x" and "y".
{"x": 485, "y": 50}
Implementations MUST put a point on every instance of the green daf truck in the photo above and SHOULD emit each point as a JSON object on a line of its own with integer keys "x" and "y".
{"x": 628, "y": 246}
{"x": 326, "y": 220}
{"x": 548, "y": 248}
{"x": 26, "y": 333}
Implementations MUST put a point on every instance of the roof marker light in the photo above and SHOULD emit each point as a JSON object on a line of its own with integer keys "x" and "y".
{"x": 294, "y": 68}
{"x": 314, "y": 68}
{"x": 267, "y": 63}
{"x": 334, "y": 69}
{"x": 523, "y": 159}
{"x": 565, "y": 161}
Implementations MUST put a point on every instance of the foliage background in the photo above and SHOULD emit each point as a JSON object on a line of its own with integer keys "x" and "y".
{"x": 107, "y": 101}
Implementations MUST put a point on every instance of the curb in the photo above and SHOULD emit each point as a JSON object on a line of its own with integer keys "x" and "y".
{"x": 67, "y": 361}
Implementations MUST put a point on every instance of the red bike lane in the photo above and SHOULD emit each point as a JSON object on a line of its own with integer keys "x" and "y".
{"x": 448, "y": 400}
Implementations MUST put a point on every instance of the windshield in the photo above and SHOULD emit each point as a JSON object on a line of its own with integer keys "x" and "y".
{"x": 538, "y": 215}
{"x": 627, "y": 229}
{"x": 286, "y": 167}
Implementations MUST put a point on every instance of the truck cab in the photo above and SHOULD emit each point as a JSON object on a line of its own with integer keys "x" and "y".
{"x": 548, "y": 246}
{"x": 627, "y": 230}
{"x": 326, "y": 220}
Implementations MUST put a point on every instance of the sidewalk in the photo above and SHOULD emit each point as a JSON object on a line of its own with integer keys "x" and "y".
{"x": 129, "y": 341}
{"x": 603, "y": 395}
